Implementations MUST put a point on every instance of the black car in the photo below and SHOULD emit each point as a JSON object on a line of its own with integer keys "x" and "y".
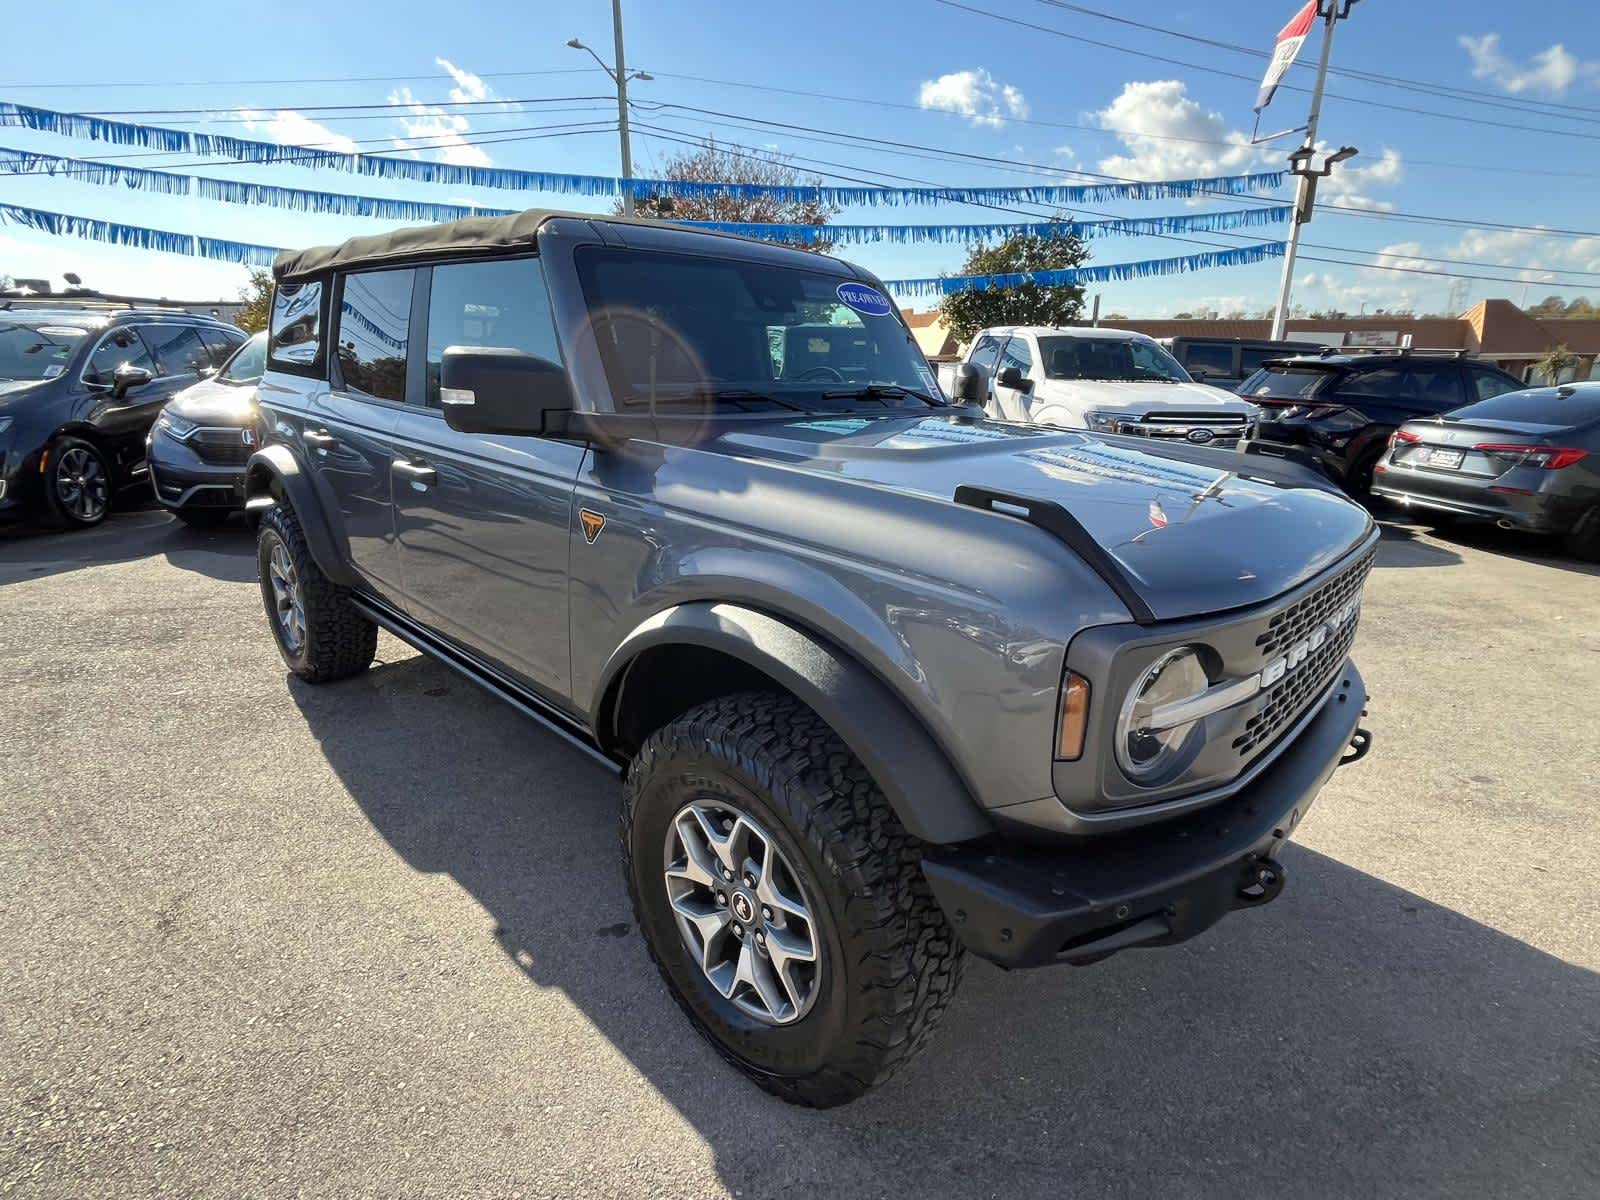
{"x": 80, "y": 387}
{"x": 1525, "y": 460}
{"x": 1228, "y": 362}
{"x": 1341, "y": 408}
{"x": 199, "y": 444}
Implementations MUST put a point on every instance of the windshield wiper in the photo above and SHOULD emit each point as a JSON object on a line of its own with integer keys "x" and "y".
{"x": 700, "y": 395}
{"x": 881, "y": 392}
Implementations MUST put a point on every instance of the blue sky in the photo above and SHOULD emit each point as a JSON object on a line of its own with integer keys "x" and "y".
{"x": 917, "y": 71}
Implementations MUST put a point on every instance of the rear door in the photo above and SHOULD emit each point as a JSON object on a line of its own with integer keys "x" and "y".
{"x": 349, "y": 428}
{"x": 485, "y": 522}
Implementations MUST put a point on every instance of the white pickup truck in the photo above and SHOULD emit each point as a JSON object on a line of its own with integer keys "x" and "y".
{"x": 1110, "y": 380}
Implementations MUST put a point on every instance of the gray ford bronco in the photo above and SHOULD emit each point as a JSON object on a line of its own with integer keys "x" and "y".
{"x": 886, "y": 681}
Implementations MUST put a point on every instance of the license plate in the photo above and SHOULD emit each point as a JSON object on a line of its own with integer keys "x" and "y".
{"x": 1450, "y": 459}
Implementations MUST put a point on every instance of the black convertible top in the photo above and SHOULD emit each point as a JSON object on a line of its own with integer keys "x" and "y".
{"x": 469, "y": 234}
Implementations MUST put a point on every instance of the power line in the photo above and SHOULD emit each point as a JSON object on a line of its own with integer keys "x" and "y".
{"x": 1193, "y": 66}
{"x": 318, "y": 109}
{"x": 172, "y": 83}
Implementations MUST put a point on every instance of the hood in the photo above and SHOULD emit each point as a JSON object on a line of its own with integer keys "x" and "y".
{"x": 1198, "y": 531}
{"x": 211, "y": 403}
{"x": 1116, "y": 395}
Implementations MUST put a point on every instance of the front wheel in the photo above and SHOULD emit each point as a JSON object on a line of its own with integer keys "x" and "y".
{"x": 1583, "y": 540}
{"x": 77, "y": 483}
{"x": 782, "y": 900}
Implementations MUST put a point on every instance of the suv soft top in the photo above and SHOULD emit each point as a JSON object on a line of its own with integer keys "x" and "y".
{"x": 466, "y": 235}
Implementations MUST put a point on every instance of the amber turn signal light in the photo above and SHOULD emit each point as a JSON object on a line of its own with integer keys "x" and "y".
{"x": 1074, "y": 716}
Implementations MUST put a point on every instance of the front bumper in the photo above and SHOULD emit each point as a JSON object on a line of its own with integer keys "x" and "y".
{"x": 1024, "y": 906}
{"x": 182, "y": 479}
{"x": 1533, "y": 513}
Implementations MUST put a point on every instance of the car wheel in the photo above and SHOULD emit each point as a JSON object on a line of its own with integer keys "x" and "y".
{"x": 1583, "y": 540}
{"x": 1358, "y": 483}
{"x": 203, "y": 518}
{"x": 77, "y": 483}
{"x": 320, "y": 633}
{"x": 782, "y": 900}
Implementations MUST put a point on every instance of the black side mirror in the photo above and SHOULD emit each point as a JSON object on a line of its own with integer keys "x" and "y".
{"x": 971, "y": 384}
{"x": 127, "y": 377}
{"x": 1199, "y": 374}
{"x": 1011, "y": 377}
{"x": 492, "y": 389}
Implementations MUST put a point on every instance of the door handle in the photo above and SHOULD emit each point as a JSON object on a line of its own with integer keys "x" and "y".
{"x": 320, "y": 439}
{"x": 421, "y": 475}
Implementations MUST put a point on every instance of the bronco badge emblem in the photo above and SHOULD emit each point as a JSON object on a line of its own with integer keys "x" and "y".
{"x": 592, "y": 523}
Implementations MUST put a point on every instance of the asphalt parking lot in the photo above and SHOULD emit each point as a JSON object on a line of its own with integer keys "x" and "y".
{"x": 372, "y": 939}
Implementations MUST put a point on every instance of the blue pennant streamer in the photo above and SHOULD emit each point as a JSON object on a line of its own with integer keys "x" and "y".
{"x": 949, "y": 285}
{"x": 247, "y": 150}
{"x": 811, "y": 235}
{"x": 113, "y": 233}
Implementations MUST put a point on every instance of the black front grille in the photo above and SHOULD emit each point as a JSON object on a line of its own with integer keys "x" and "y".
{"x": 1299, "y": 619}
{"x": 222, "y": 447}
{"x": 1290, "y": 696}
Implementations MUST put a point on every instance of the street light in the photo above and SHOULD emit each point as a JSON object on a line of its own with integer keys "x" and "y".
{"x": 620, "y": 75}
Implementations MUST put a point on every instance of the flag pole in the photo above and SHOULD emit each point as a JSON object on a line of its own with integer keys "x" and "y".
{"x": 1300, "y": 165}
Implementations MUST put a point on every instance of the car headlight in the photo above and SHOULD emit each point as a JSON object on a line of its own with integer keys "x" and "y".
{"x": 178, "y": 427}
{"x": 1154, "y": 740}
{"x": 1104, "y": 422}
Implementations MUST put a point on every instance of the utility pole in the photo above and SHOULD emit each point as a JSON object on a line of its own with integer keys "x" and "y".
{"x": 1331, "y": 12}
{"x": 619, "y": 76}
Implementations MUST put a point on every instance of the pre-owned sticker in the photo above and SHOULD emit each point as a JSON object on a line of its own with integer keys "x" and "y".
{"x": 868, "y": 301}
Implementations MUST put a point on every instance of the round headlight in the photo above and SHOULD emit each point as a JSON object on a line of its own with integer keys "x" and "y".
{"x": 1149, "y": 755}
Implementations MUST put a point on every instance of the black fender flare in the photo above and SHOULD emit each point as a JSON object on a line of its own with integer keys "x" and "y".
{"x": 273, "y": 474}
{"x": 927, "y": 793}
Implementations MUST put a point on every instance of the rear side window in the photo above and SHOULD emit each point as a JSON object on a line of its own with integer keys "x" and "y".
{"x": 374, "y": 315}
{"x": 1391, "y": 383}
{"x": 296, "y": 337}
{"x": 499, "y": 303}
{"x": 117, "y": 347}
{"x": 1437, "y": 386}
{"x": 178, "y": 349}
{"x": 1487, "y": 384}
{"x": 1544, "y": 406}
{"x": 1214, "y": 360}
{"x": 1251, "y": 360}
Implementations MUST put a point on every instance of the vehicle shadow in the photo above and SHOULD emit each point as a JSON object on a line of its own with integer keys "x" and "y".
{"x": 1399, "y": 525}
{"x": 1400, "y": 547}
{"x": 1352, "y": 1038}
{"x": 226, "y": 553}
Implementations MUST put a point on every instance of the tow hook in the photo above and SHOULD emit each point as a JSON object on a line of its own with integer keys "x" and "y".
{"x": 1260, "y": 881}
{"x": 1360, "y": 745}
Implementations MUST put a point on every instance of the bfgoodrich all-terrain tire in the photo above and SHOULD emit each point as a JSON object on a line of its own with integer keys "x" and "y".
{"x": 782, "y": 900}
{"x": 321, "y": 635}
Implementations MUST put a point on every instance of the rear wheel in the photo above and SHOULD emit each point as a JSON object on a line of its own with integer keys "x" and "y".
{"x": 77, "y": 483}
{"x": 1583, "y": 540}
{"x": 320, "y": 633}
{"x": 782, "y": 900}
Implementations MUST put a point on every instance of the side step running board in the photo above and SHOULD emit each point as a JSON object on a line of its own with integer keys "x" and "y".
{"x": 1055, "y": 520}
{"x": 490, "y": 680}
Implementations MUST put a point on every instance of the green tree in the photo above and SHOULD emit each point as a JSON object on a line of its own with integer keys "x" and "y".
{"x": 1029, "y": 304}
{"x": 713, "y": 164}
{"x": 1553, "y": 364}
{"x": 257, "y": 297}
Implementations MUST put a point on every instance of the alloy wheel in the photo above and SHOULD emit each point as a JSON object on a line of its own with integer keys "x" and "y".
{"x": 288, "y": 606}
{"x": 742, "y": 911}
{"x": 81, "y": 484}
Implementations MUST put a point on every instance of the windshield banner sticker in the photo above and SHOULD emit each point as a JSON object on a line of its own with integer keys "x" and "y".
{"x": 868, "y": 301}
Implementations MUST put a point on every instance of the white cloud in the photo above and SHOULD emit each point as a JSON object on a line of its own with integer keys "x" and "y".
{"x": 973, "y": 94}
{"x": 1553, "y": 69}
{"x": 1169, "y": 136}
{"x": 294, "y": 129}
{"x": 1350, "y": 180}
{"x": 468, "y": 86}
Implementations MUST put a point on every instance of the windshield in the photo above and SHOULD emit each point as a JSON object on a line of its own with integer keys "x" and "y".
{"x": 1286, "y": 384}
{"x": 1126, "y": 359}
{"x": 674, "y": 327}
{"x": 247, "y": 363}
{"x": 36, "y": 351}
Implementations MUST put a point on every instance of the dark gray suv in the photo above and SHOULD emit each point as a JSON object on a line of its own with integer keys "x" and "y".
{"x": 887, "y": 681}
{"x": 80, "y": 387}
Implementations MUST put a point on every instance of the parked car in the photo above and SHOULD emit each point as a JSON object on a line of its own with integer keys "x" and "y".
{"x": 1341, "y": 408}
{"x": 886, "y": 681}
{"x": 1227, "y": 362}
{"x": 1109, "y": 380}
{"x": 1525, "y": 460}
{"x": 80, "y": 386}
{"x": 198, "y": 446}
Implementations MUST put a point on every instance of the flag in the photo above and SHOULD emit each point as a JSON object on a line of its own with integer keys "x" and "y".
{"x": 1290, "y": 38}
